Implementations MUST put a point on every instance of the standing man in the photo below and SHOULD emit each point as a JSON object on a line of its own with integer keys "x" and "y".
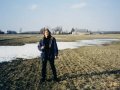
{"x": 49, "y": 51}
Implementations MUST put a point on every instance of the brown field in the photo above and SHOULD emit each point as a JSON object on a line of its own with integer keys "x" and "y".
{"x": 18, "y": 39}
{"x": 84, "y": 68}
{"x": 21, "y": 39}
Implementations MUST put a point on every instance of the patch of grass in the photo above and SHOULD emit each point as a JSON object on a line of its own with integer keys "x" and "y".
{"x": 19, "y": 39}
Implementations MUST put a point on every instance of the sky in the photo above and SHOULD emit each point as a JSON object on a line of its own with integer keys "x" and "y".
{"x": 32, "y": 15}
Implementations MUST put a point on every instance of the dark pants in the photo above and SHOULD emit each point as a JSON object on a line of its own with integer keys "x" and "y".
{"x": 44, "y": 64}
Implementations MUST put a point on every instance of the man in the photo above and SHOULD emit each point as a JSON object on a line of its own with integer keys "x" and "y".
{"x": 49, "y": 51}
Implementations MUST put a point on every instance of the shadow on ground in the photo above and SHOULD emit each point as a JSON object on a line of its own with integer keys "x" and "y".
{"x": 75, "y": 75}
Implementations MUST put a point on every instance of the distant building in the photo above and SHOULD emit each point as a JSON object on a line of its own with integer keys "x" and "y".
{"x": 1, "y": 32}
{"x": 79, "y": 31}
{"x": 11, "y": 32}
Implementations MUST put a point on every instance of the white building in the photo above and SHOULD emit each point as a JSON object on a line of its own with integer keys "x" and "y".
{"x": 80, "y": 31}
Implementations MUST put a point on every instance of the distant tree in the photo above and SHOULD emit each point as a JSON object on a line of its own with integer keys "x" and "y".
{"x": 41, "y": 30}
{"x": 1, "y": 32}
{"x": 20, "y": 31}
{"x": 11, "y": 32}
{"x": 72, "y": 30}
{"x": 57, "y": 30}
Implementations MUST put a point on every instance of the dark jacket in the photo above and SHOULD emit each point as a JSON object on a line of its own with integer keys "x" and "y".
{"x": 51, "y": 52}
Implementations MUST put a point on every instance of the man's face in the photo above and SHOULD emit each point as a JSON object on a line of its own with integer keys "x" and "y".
{"x": 46, "y": 33}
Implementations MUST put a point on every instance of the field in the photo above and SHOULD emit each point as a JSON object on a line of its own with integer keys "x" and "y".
{"x": 32, "y": 38}
{"x": 84, "y": 68}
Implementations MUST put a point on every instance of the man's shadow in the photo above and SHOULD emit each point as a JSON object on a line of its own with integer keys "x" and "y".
{"x": 75, "y": 75}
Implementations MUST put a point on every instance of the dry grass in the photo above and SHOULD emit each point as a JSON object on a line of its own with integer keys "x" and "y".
{"x": 82, "y": 37}
{"x": 85, "y": 68}
{"x": 22, "y": 39}
{"x": 19, "y": 39}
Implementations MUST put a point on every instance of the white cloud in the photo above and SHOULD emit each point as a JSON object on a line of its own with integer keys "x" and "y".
{"x": 33, "y": 7}
{"x": 78, "y": 6}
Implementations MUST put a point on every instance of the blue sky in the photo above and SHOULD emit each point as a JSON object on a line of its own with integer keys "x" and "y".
{"x": 31, "y": 15}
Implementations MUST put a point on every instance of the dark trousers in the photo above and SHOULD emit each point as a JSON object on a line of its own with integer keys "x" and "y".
{"x": 44, "y": 64}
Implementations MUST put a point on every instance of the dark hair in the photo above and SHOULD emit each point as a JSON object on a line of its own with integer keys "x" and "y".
{"x": 46, "y": 29}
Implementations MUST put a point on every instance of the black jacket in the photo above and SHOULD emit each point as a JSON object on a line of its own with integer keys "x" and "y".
{"x": 50, "y": 49}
